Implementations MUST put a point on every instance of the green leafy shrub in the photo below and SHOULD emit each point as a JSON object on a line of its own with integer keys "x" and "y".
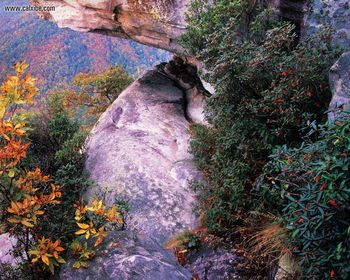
{"x": 311, "y": 184}
{"x": 51, "y": 128}
{"x": 61, "y": 127}
{"x": 242, "y": 19}
{"x": 266, "y": 88}
{"x": 71, "y": 150}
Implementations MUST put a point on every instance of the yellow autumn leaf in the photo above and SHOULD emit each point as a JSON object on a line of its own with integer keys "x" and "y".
{"x": 79, "y": 264}
{"x": 99, "y": 240}
{"x": 3, "y": 106}
{"x": 20, "y": 67}
{"x": 81, "y": 231}
{"x": 34, "y": 260}
{"x": 34, "y": 252}
{"x": 59, "y": 249}
{"x": 14, "y": 220}
{"x": 11, "y": 173}
{"x": 93, "y": 231}
{"x": 83, "y": 226}
{"x": 45, "y": 259}
{"x": 13, "y": 208}
{"x": 55, "y": 254}
{"x": 101, "y": 234}
{"x": 97, "y": 207}
{"x": 26, "y": 223}
{"x": 20, "y": 132}
{"x": 39, "y": 212}
{"x": 60, "y": 260}
{"x": 76, "y": 264}
{"x": 112, "y": 213}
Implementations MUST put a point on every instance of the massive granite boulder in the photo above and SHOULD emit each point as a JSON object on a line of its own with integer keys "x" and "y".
{"x": 138, "y": 152}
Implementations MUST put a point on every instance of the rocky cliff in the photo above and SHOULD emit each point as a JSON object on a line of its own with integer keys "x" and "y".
{"x": 160, "y": 23}
{"x": 157, "y": 23}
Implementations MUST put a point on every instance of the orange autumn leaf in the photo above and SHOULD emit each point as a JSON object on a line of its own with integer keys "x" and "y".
{"x": 101, "y": 234}
{"x": 48, "y": 252}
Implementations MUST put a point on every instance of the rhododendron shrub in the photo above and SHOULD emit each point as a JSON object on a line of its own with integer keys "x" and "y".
{"x": 268, "y": 88}
{"x": 310, "y": 185}
{"x": 266, "y": 91}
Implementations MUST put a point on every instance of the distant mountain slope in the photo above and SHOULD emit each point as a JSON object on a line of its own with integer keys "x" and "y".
{"x": 55, "y": 55}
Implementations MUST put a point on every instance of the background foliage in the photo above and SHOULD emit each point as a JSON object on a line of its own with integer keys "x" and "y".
{"x": 90, "y": 94}
{"x": 56, "y": 55}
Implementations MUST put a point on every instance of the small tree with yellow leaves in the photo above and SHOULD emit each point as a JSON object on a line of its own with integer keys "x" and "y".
{"x": 26, "y": 194}
{"x": 92, "y": 93}
{"x": 30, "y": 198}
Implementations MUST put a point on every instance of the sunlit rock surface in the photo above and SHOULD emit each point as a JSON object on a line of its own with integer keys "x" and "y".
{"x": 160, "y": 23}
{"x": 138, "y": 151}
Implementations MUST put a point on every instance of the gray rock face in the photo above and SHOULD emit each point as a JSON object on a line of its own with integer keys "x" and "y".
{"x": 7, "y": 244}
{"x": 138, "y": 151}
{"x": 186, "y": 77}
{"x": 157, "y": 23}
{"x": 339, "y": 79}
{"x": 127, "y": 256}
{"x": 334, "y": 14}
{"x": 214, "y": 264}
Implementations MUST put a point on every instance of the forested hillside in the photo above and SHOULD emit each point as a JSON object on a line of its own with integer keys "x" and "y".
{"x": 57, "y": 55}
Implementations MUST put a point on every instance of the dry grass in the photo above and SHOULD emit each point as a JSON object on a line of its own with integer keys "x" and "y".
{"x": 271, "y": 239}
{"x": 264, "y": 243}
{"x": 179, "y": 241}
